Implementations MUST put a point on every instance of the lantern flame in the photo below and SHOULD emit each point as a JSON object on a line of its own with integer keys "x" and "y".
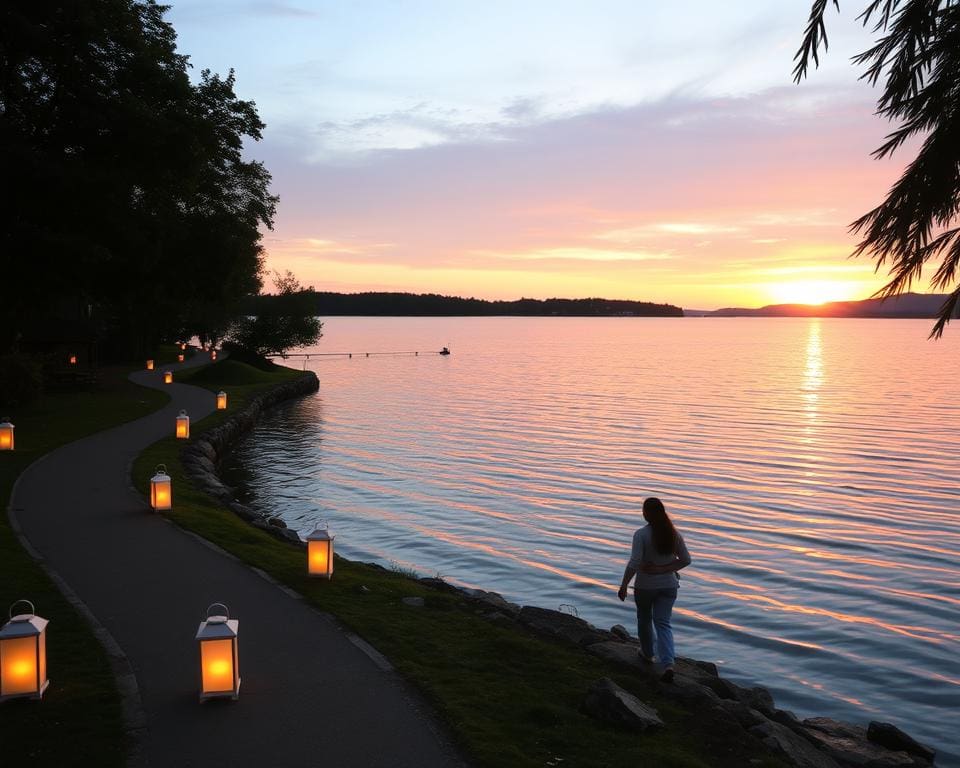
{"x": 217, "y": 656}
{"x": 19, "y": 666}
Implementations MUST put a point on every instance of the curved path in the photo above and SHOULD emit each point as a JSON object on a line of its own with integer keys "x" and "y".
{"x": 310, "y": 694}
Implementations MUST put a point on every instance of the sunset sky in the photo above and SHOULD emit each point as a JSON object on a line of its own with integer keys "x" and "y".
{"x": 503, "y": 149}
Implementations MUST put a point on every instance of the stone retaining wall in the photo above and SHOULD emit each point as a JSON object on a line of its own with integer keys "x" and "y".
{"x": 202, "y": 456}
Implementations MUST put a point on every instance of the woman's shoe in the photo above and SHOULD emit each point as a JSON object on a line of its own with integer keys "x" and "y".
{"x": 646, "y": 660}
{"x": 667, "y": 675}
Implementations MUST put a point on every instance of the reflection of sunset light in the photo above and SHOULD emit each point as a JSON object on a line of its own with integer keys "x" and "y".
{"x": 813, "y": 375}
{"x": 918, "y": 633}
{"x": 813, "y": 291}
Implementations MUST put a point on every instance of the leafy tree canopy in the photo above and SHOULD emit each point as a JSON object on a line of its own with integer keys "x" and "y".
{"x": 284, "y": 320}
{"x": 131, "y": 209}
{"x": 917, "y": 56}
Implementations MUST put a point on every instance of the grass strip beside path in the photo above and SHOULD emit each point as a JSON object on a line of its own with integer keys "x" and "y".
{"x": 511, "y": 698}
{"x": 79, "y": 721}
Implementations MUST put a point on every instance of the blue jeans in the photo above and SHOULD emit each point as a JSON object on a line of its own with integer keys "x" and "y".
{"x": 654, "y": 607}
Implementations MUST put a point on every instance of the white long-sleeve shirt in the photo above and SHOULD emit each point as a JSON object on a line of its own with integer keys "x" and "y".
{"x": 644, "y": 551}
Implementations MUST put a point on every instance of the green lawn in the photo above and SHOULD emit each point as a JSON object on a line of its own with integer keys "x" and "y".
{"x": 510, "y": 698}
{"x": 78, "y": 722}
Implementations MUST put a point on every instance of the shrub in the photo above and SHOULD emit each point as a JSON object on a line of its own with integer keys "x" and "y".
{"x": 21, "y": 380}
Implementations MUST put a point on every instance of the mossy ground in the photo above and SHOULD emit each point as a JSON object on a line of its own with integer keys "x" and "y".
{"x": 509, "y": 698}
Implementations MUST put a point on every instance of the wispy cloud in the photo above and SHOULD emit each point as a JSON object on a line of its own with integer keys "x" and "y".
{"x": 633, "y": 203}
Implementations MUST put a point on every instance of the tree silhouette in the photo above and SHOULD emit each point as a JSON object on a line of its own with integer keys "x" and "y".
{"x": 128, "y": 205}
{"x": 917, "y": 54}
{"x": 283, "y": 321}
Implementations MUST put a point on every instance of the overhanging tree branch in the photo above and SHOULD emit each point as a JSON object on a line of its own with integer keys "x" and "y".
{"x": 917, "y": 55}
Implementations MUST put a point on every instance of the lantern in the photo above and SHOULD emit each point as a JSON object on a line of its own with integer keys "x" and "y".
{"x": 183, "y": 426}
{"x": 149, "y": 365}
{"x": 219, "y": 664}
{"x": 161, "y": 490}
{"x": 183, "y": 346}
{"x": 6, "y": 434}
{"x": 221, "y": 401}
{"x": 213, "y": 354}
{"x": 168, "y": 377}
{"x": 23, "y": 655}
{"x": 73, "y": 359}
{"x": 180, "y": 358}
{"x": 320, "y": 553}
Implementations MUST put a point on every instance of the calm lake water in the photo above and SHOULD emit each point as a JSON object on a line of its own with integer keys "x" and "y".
{"x": 813, "y": 467}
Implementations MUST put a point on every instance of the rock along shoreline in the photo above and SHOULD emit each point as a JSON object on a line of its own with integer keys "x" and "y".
{"x": 816, "y": 742}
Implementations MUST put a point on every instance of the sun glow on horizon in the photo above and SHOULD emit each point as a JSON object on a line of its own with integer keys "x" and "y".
{"x": 815, "y": 292}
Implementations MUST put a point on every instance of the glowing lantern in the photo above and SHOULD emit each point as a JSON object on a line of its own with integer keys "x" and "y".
{"x": 183, "y": 426}
{"x": 320, "y": 553}
{"x": 23, "y": 655}
{"x": 183, "y": 346}
{"x": 168, "y": 377}
{"x": 219, "y": 664}
{"x": 180, "y": 358}
{"x": 213, "y": 354}
{"x": 149, "y": 365}
{"x": 73, "y": 359}
{"x": 6, "y": 434}
{"x": 221, "y": 401}
{"x": 161, "y": 490}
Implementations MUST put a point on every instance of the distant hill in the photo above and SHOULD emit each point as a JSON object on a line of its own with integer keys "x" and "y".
{"x": 920, "y": 305}
{"x": 434, "y": 305}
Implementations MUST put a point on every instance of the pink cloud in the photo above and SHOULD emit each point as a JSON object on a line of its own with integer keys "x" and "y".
{"x": 694, "y": 189}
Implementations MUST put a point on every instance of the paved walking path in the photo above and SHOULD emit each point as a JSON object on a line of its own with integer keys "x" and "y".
{"x": 309, "y": 695}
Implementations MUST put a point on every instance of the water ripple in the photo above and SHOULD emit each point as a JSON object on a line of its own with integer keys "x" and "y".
{"x": 811, "y": 464}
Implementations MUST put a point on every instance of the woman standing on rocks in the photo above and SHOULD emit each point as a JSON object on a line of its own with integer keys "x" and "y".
{"x": 658, "y": 553}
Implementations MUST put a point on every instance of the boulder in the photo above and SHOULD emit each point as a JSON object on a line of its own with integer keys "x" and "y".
{"x": 288, "y": 534}
{"x": 889, "y": 736}
{"x": 621, "y": 653}
{"x": 757, "y": 698}
{"x": 561, "y": 625}
{"x": 435, "y": 582}
{"x": 243, "y": 511}
{"x": 204, "y": 463}
{"x": 787, "y": 718}
{"x": 705, "y": 674}
{"x": 608, "y": 702}
{"x": 205, "y": 449}
{"x": 848, "y": 744}
{"x": 278, "y": 522}
{"x": 746, "y": 717}
{"x": 705, "y": 666}
{"x": 620, "y": 632}
{"x": 781, "y": 740}
{"x": 493, "y": 600}
{"x": 687, "y": 690}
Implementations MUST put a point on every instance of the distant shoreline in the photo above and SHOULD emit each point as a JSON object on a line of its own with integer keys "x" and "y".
{"x": 908, "y": 306}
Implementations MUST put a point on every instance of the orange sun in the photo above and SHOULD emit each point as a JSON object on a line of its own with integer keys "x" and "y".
{"x": 813, "y": 291}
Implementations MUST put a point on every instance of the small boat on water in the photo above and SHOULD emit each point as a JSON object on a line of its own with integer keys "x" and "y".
{"x": 445, "y": 351}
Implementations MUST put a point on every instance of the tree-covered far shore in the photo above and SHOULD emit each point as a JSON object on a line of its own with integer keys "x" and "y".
{"x": 431, "y": 304}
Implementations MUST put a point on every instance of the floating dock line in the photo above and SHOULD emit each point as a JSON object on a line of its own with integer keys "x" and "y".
{"x": 349, "y": 355}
